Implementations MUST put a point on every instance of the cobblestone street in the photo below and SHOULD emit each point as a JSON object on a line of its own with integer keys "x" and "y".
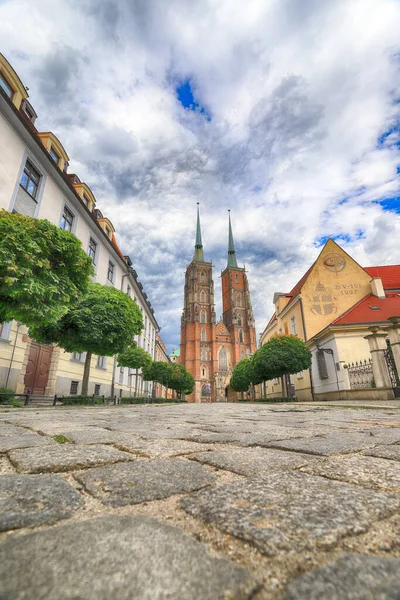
{"x": 196, "y": 502}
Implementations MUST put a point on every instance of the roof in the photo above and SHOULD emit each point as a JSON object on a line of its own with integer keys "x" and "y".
{"x": 371, "y": 309}
{"x": 390, "y": 275}
{"x": 297, "y": 288}
{"x": 176, "y": 352}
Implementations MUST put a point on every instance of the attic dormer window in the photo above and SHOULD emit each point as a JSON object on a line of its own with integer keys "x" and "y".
{"x": 54, "y": 155}
{"x": 85, "y": 200}
{"x": 6, "y": 87}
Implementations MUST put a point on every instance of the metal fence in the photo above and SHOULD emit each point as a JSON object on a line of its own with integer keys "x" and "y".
{"x": 360, "y": 374}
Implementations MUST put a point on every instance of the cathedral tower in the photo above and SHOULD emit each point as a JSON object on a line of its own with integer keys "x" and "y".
{"x": 198, "y": 322}
{"x": 236, "y": 305}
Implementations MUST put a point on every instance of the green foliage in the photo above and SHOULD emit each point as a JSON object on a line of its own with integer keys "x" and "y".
{"x": 103, "y": 321}
{"x": 272, "y": 400}
{"x": 158, "y": 371}
{"x": 61, "y": 439}
{"x": 244, "y": 374}
{"x": 82, "y": 400}
{"x": 144, "y": 400}
{"x": 43, "y": 270}
{"x": 281, "y": 355}
{"x": 134, "y": 357}
{"x": 181, "y": 380}
{"x": 6, "y": 395}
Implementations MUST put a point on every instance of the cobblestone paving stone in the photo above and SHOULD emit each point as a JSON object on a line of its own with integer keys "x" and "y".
{"x": 144, "y": 480}
{"x": 290, "y": 511}
{"x": 365, "y": 470}
{"x": 27, "y": 500}
{"x": 254, "y": 461}
{"x": 351, "y": 576}
{"x": 201, "y": 501}
{"x": 140, "y": 558}
{"x": 64, "y": 457}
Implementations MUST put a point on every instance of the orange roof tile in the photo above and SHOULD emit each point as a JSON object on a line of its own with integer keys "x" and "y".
{"x": 371, "y": 309}
{"x": 390, "y": 275}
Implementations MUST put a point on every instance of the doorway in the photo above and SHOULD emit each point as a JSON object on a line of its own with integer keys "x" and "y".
{"x": 37, "y": 369}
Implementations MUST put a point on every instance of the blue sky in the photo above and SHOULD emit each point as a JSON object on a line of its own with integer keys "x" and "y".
{"x": 285, "y": 111}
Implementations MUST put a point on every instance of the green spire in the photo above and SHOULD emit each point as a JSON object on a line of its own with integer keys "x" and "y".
{"x": 231, "y": 246}
{"x": 198, "y": 253}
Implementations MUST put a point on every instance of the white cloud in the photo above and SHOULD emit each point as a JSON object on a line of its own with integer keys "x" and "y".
{"x": 299, "y": 94}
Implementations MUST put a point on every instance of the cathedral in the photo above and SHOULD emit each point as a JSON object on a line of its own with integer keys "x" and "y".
{"x": 210, "y": 350}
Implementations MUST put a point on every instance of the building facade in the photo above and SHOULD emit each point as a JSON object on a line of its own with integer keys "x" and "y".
{"x": 341, "y": 310}
{"x": 34, "y": 181}
{"x": 209, "y": 349}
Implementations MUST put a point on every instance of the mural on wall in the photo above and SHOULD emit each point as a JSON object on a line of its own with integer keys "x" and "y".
{"x": 323, "y": 301}
{"x": 334, "y": 262}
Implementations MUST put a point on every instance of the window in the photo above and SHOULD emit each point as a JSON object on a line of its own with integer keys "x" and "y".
{"x": 203, "y": 354}
{"x": 293, "y": 325}
{"x": 97, "y": 387}
{"x": 30, "y": 179}
{"x": 74, "y": 387}
{"x": 203, "y": 317}
{"x": 241, "y": 336}
{"x": 203, "y": 335}
{"x": 237, "y": 278}
{"x": 239, "y": 300}
{"x": 101, "y": 362}
{"x": 223, "y": 359}
{"x": 128, "y": 290}
{"x": 85, "y": 200}
{"x": 300, "y": 375}
{"x": 6, "y": 86}
{"x": 145, "y": 324}
{"x": 202, "y": 297}
{"x": 203, "y": 372}
{"x": 202, "y": 277}
{"x": 67, "y": 219}
{"x": 121, "y": 375}
{"x": 5, "y": 329}
{"x": 239, "y": 321}
{"x": 92, "y": 250}
{"x": 241, "y": 354}
{"x": 77, "y": 356}
{"x": 54, "y": 155}
{"x": 110, "y": 272}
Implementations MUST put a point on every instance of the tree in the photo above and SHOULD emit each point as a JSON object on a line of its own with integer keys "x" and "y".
{"x": 158, "y": 371}
{"x": 43, "y": 270}
{"x": 281, "y": 355}
{"x": 243, "y": 375}
{"x": 103, "y": 322}
{"x": 181, "y": 380}
{"x": 134, "y": 357}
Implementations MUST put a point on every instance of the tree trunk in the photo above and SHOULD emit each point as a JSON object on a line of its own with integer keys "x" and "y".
{"x": 86, "y": 374}
{"x": 166, "y": 391}
{"x": 136, "y": 378}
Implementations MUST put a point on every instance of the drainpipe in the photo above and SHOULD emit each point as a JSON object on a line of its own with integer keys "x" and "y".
{"x": 13, "y": 352}
{"x": 305, "y": 339}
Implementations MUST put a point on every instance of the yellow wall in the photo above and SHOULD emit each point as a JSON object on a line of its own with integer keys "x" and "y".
{"x": 328, "y": 293}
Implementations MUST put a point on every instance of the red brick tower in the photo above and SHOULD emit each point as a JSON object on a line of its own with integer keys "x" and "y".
{"x": 198, "y": 323}
{"x": 236, "y": 306}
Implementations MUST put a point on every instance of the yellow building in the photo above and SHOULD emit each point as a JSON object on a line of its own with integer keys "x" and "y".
{"x": 332, "y": 308}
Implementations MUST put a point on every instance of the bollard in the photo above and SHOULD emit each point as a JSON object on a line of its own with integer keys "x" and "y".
{"x": 93, "y": 399}
{"x": 103, "y": 399}
{"x": 115, "y": 400}
{"x": 55, "y": 400}
{"x": 27, "y": 397}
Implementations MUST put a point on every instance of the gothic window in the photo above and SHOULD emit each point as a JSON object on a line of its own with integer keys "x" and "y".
{"x": 204, "y": 372}
{"x": 202, "y": 297}
{"x": 202, "y": 277}
{"x": 202, "y": 317}
{"x": 240, "y": 336}
{"x": 237, "y": 278}
{"x": 241, "y": 354}
{"x": 239, "y": 300}
{"x": 203, "y": 354}
{"x": 223, "y": 359}
{"x": 239, "y": 321}
{"x": 203, "y": 335}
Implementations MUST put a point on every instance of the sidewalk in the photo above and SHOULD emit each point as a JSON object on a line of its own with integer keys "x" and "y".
{"x": 202, "y": 502}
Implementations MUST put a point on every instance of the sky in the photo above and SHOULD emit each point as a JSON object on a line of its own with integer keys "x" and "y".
{"x": 285, "y": 111}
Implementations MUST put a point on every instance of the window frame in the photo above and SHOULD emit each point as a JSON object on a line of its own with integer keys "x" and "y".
{"x": 101, "y": 362}
{"x": 80, "y": 360}
{"x": 8, "y": 84}
{"x": 112, "y": 271}
{"x": 293, "y": 328}
{"x": 5, "y": 330}
{"x": 95, "y": 257}
{"x": 54, "y": 156}
{"x": 30, "y": 179}
{"x": 203, "y": 335}
{"x": 67, "y": 208}
{"x": 74, "y": 386}
{"x": 241, "y": 338}
{"x": 97, "y": 388}
{"x": 203, "y": 317}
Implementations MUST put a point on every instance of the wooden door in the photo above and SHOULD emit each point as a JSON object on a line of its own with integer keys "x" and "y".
{"x": 38, "y": 368}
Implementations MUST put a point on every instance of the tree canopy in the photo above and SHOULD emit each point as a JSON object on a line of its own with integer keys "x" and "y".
{"x": 281, "y": 355}
{"x": 243, "y": 374}
{"x": 134, "y": 357}
{"x": 181, "y": 380}
{"x": 103, "y": 322}
{"x": 43, "y": 270}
